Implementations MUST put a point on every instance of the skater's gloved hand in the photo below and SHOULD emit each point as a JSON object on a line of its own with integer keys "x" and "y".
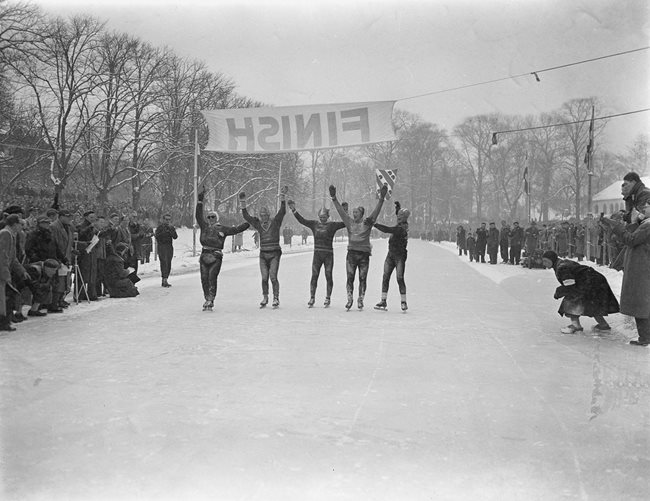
{"x": 201, "y": 195}
{"x": 383, "y": 191}
{"x": 560, "y": 292}
{"x": 398, "y": 206}
{"x": 292, "y": 205}
{"x": 332, "y": 191}
{"x": 242, "y": 199}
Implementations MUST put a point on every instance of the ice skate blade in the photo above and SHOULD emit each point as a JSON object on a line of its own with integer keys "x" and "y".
{"x": 381, "y": 308}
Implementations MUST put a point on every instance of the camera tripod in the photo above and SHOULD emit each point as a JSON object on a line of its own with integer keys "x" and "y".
{"x": 79, "y": 285}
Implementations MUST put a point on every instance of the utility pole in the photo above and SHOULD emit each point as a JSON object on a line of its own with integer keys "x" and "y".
{"x": 590, "y": 147}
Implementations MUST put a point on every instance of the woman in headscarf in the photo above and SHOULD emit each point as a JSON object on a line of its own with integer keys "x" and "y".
{"x": 585, "y": 292}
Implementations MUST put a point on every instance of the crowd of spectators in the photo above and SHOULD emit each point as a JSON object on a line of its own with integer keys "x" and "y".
{"x": 48, "y": 252}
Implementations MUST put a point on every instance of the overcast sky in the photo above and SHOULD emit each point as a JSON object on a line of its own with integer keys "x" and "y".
{"x": 313, "y": 52}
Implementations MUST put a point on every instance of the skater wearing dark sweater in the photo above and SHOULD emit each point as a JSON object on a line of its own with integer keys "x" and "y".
{"x": 396, "y": 257}
{"x": 359, "y": 248}
{"x": 212, "y": 238}
{"x": 324, "y": 232}
{"x": 270, "y": 250}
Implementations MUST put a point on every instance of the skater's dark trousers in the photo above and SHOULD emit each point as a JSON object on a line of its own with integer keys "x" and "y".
{"x": 325, "y": 259}
{"x": 398, "y": 263}
{"x": 209, "y": 275}
{"x": 354, "y": 260}
{"x": 269, "y": 266}
{"x": 165, "y": 253}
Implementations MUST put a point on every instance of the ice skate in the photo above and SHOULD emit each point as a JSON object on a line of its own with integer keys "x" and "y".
{"x": 276, "y": 302}
{"x": 360, "y": 303}
{"x": 327, "y": 302}
{"x": 381, "y": 305}
{"x": 265, "y": 301}
{"x": 348, "y": 305}
{"x": 404, "y": 306}
{"x": 207, "y": 306}
{"x": 311, "y": 302}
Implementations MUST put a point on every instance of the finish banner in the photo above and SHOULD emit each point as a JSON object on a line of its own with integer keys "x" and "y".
{"x": 297, "y": 128}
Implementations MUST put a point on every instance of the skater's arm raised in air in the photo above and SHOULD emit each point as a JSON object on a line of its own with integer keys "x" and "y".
{"x": 305, "y": 222}
{"x": 252, "y": 220}
{"x": 233, "y": 230}
{"x": 283, "y": 206}
{"x": 344, "y": 215}
{"x": 198, "y": 213}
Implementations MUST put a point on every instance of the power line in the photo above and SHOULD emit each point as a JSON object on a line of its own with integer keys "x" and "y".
{"x": 533, "y": 73}
{"x": 494, "y": 134}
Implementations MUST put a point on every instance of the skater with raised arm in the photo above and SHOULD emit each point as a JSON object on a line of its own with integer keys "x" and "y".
{"x": 396, "y": 257}
{"x": 324, "y": 232}
{"x": 359, "y": 247}
{"x": 212, "y": 238}
{"x": 270, "y": 250}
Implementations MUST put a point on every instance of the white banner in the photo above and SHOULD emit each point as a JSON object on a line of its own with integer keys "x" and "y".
{"x": 297, "y": 128}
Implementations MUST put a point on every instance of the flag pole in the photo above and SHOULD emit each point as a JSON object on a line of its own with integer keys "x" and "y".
{"x": 590, "y": 147}
{"x": 196, "y": 186}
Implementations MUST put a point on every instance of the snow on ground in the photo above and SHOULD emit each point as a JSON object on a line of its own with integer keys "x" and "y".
{"x": 623, "y": 326}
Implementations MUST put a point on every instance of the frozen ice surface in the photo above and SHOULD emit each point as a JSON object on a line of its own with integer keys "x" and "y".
{"x": 473, "y": 393}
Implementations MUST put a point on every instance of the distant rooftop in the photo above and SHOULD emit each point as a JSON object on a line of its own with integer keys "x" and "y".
{"x": 613, "y": 191}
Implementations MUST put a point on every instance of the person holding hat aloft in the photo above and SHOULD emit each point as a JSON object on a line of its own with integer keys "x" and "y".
{"x": 359, "y": 247}
{"x": 324, "y": 232}
{"x": 270, "y": 250}
{"x": 212, "y": 237}
{"x": 584, "y": 292}
{"x": 396, "y": 257}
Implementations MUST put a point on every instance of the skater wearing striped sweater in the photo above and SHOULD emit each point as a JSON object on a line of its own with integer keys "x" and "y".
{"x": 212, "y": 238}
{"x": 396, "y": 257}
{"x": 324, "y": 232}
{"x": 359, "y": 248}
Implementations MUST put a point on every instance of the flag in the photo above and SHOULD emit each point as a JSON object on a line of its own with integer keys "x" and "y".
{"x": 298, "y": 128}
{"x": 386, "y": 177}
{"x": 590, "y": 144}
{"x": 526, "y": 190}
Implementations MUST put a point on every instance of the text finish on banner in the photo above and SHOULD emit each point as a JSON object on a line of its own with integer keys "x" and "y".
{"x": 297, "y": 128}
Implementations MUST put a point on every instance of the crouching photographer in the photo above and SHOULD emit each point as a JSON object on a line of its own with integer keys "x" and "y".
{"x": 118, "y": 278}
{"x": 43, "y": 276}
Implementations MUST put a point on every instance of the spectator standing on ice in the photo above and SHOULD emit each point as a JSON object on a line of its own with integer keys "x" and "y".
{"x": 585, "y": 292}
{"x": 461, "y": 240}
{"x": 324, "y": 232}
{"x": 516, "y": 241}
{"x": 165, "y": 235}
{"x": 471, "y": 245}
{"x": 493, "y": 243}
{"x": 481, "y": 242}
{"x": 532, "y": 238}
{"x": 359, "y": 247}
{"x": 8, "y": 263}
{"x": 635, "y": 289}
{"x": 270, "y": 250}
{"x": 504, "y": 237}
{"x": 396, "y": 257}
{"x": 212, "y": 238}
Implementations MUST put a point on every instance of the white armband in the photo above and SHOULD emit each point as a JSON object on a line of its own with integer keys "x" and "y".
{"x": 568, "y": 282}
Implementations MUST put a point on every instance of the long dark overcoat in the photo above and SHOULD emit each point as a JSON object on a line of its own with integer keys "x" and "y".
{"x": 585, "y": 291}
{"x": 635, "y": 289}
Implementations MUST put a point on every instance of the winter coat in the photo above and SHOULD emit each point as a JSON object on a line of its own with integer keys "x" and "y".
{"x": 116, "y": 276}
{"x": 635, "y": 290}
{"x": 585, "y": 291}
{"x": 40, "y": 246}
{"x": 8, "y": 260}
{"x": 214, "y": 236}
{"x": 532, "y": 235}
{"x": 493, "y": 238}
{"x": 165, "y": 233}
{"x": 637, "y": 199}
{"x": 63, "y": 238}
{"x": 516, "y": 236}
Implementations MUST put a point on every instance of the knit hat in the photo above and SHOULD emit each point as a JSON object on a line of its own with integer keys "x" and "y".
{"x": 51, "y": 263}
{"x": 551, "y": 256}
